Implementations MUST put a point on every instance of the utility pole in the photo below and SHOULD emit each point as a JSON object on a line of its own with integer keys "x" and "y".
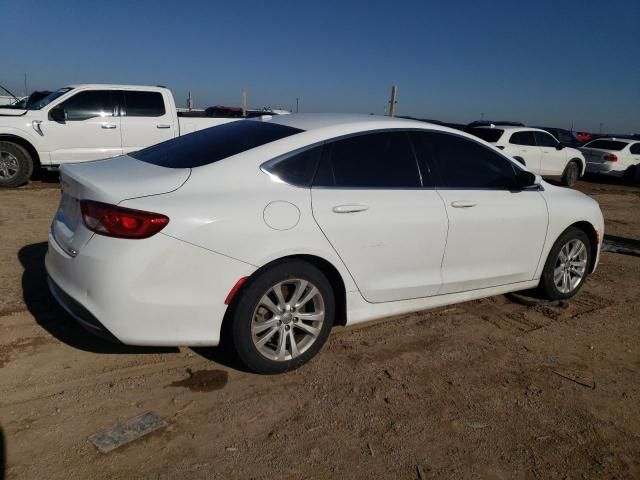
{"x": 26, "y": 92}
{"x": 189, "y": 101}
{"x": 393, "y": 101}
{"x": 600, "y": 127}
{"x": 481, "y": 116}
{"x": 244, "y": 102}
{"x": 297, "y": 105}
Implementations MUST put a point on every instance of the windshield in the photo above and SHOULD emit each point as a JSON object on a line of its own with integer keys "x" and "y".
{"x": 43, "y": 102}
{"x": 606, "y": 145}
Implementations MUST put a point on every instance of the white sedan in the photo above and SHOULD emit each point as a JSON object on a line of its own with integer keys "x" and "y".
{"x": 267, "y": 234}
{"x": 612, "y": 156}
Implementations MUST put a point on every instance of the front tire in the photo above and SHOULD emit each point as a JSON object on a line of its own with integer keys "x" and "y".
{"x": 283, "y": 317}
{"x": 567, "y": 265}
{"x": 16, "y": 165}
{"x": 571, "y": 174}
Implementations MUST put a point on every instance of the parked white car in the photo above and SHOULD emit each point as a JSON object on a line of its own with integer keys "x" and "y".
{"x": 612, "y": 156}
{"x": 269, "y": 233}
{"x": 538, "y": 150}
{"x": 79, "y": 123}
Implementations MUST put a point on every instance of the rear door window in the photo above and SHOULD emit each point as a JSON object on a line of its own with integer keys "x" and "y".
{"x": 523, "y": 138}
{"x": 373, "y": 160}
{"x": 297, "y": 169}
{"x": 635, "y": 149}
{"x": 213, "y": 144}
{"x": 143, "y": 104}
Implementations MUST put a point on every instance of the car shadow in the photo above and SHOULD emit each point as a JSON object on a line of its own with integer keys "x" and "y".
{"x": 45, "y": 176}
{"x": 608, "y": 180}
{"x": 53, "y": 318}
{"x": 3, "y": 456}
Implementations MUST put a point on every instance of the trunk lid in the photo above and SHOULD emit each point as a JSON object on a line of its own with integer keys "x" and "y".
{"x": 109, "y": 181}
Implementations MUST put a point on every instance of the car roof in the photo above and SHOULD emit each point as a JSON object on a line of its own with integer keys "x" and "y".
{"x": 615, "y": 139}
{"x": 351, "y": 122}
{"x": 109, "y": 86}
{"x": 509, "y": 128}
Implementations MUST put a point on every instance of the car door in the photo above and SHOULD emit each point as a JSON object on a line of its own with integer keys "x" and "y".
{"x": 554, "y": 157}
{"x": 389, "y": 231}
{"x": 145, "y": 119}
{"x": 90, "y": 131}
{"x": 524, "y": 146}
{"x": 496, "y": 232}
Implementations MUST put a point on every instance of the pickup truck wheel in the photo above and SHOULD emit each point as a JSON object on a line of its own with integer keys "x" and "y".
{"x": 571, "y": 174}
{"x": 16, "y": 165}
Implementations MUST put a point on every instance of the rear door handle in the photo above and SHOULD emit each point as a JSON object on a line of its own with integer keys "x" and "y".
{"x": 463, "y": 204}
{"x": 108, "y": 126}
{"x": 163, "y": 125}
{"x": 350, "y": 208}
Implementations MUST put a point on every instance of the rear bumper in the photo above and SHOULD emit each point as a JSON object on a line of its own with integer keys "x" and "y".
{"x": 154, "y": 292}
{"x": 80, "y": 314}
{"x": 609, "y": 168}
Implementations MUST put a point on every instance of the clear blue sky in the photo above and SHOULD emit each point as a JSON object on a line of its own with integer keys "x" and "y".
{"x": 543, "y": 62}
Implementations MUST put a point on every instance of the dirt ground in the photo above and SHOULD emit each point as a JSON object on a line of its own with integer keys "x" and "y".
{"x": 483, "y": 389}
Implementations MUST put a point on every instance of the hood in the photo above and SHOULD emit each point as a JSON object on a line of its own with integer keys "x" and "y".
{"x": 12, "y": 112}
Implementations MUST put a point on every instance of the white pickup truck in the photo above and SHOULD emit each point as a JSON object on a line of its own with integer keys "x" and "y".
{"x": 79, "y": 123}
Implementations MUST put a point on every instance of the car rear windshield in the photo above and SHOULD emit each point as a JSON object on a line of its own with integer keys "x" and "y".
{"x": 212, "y": 144}
{"x": 490, "y": 135}
{"x": 606, "y": 145}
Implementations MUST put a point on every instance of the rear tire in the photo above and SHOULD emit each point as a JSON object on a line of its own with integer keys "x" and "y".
{"x": 282, "y": 317}
{"x": 571, "y": 174}
{"x": 567, "y": 265}
{"x": 16, "y": 165}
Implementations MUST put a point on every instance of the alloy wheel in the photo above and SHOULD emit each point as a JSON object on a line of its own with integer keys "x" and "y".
{"x": 571, "y": 266}
{"x": 8, "y": 165}
{"x": 288, "y": 319}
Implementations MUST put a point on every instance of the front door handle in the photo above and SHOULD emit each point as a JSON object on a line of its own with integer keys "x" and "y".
{"x": 463, "y": 204}
{"x": 350, "y": 208}
{"x": 163, "y": 125}
{"x": 108, "y": 126}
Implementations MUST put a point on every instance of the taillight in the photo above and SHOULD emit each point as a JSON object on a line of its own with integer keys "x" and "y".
{"x": 610, "y": 157}
{"x": 114, "y": 221}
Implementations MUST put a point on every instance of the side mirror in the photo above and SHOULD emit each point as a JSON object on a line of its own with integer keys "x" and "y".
{"x": 58, "y": 114}
{"x": 559, "y": 146}
{"x": 526, "y": 179}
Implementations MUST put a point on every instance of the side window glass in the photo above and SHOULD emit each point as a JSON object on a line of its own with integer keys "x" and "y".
{"x": 297, "y": 169}
{"x": 464, "y": 164}
{"x": 374, "y": 160}
{"x": 516, "y": 139}
{"x": 635, "y": 149}
{"x": 143, "y": 104}
{"x": 523, "y": 138}
{"x": 89, "y": 104}
{"x": 426, "y": 153}
{"x": 545, "y": 140}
